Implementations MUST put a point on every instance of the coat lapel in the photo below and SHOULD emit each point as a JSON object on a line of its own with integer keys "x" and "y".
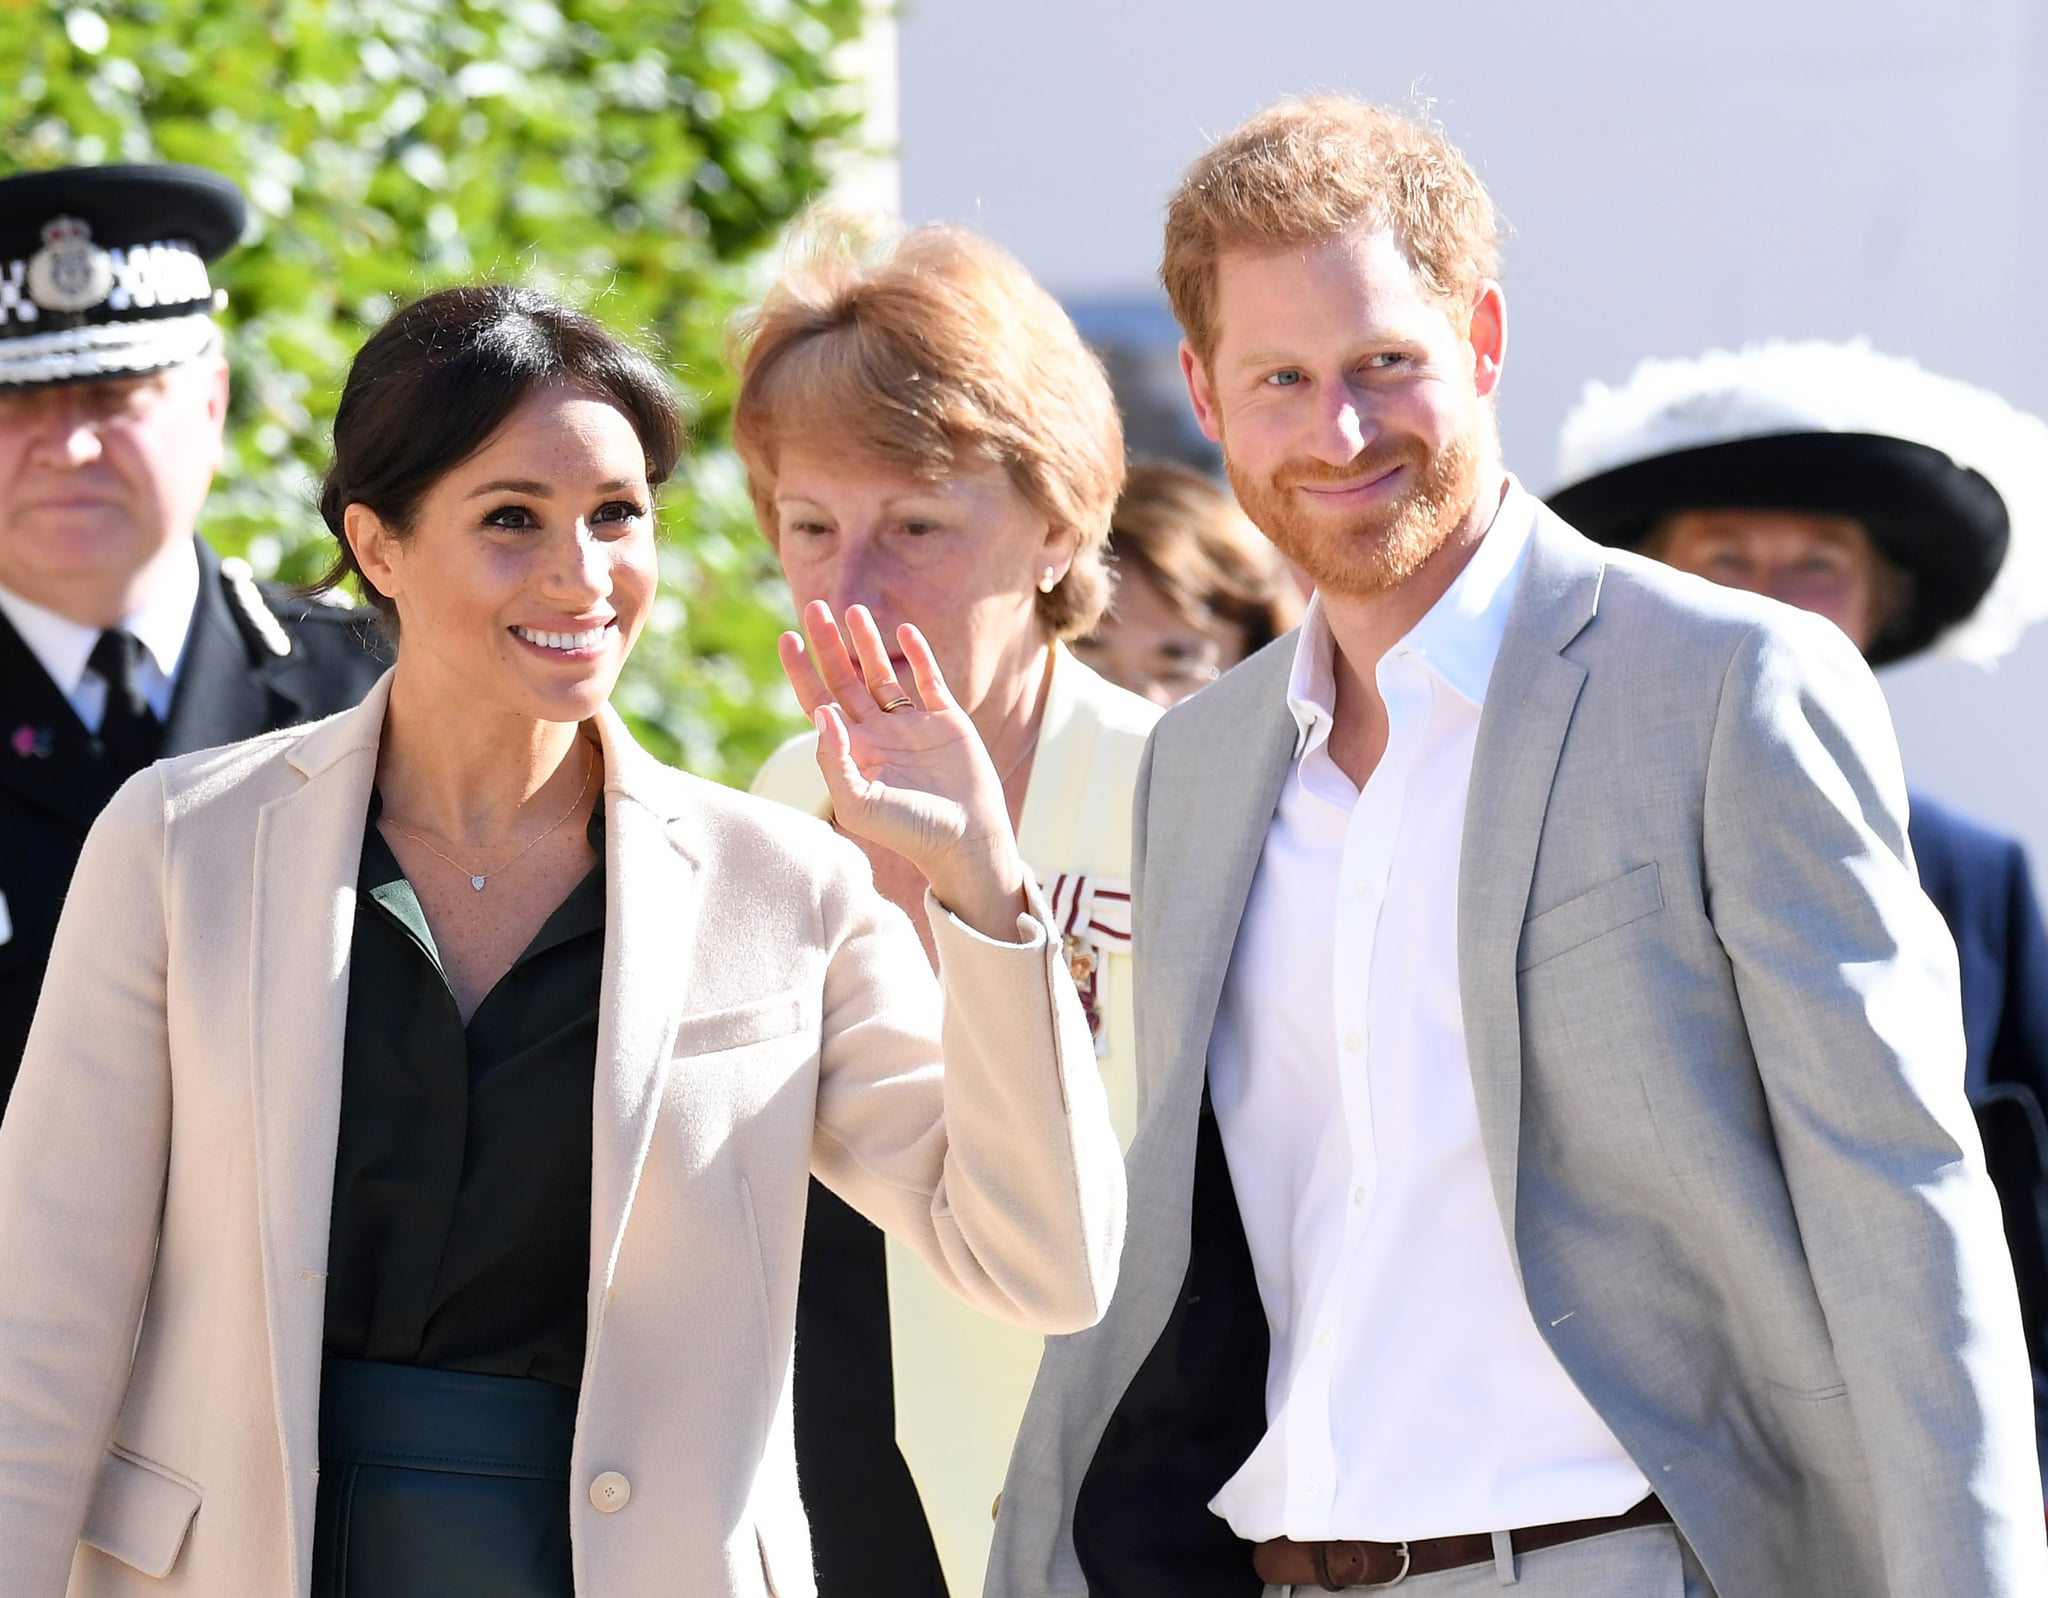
{"x": 220, "y": 696}
{"x": 650, "y": 930}
{"x": 1529, "y": 702}
{"x": 308, "y": 851}
{"x": 1207, "y": 815}
{"x": 47, "y": 757}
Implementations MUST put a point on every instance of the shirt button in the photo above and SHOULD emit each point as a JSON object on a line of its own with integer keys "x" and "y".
{"x": 1310, "y": 1488}
{"x": 1353, "y": 1043}
{"x": 1323, "y": 1339}
{"x": 1357, "y": 1197}
{"x": 610, "y": 1492}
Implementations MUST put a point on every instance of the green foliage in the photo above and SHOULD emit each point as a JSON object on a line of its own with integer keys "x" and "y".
{"x": 634, "y": 157}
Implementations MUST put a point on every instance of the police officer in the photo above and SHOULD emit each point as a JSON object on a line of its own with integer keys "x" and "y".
{"x": 1912, "y": 511}
{"x": 122, "y": 636}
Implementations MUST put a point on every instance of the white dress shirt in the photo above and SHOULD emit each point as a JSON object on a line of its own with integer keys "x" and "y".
{"x": 161, "y": 623}
{"x": 1409, "y": 1394}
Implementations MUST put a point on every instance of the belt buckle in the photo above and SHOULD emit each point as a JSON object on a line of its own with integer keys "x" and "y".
{"x": 1325, "y": 1579}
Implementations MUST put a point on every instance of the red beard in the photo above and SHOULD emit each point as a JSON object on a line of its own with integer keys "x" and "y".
{"x": 1371, "y": 550}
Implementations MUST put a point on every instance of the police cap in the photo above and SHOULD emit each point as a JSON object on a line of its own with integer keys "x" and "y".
{"x": 103, "y": 269}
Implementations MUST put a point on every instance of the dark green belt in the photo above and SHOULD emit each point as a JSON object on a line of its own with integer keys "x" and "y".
{"x": 441, "y": 1484}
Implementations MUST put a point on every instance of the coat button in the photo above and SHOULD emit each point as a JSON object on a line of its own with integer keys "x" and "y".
{"x": 608, "y": 1494}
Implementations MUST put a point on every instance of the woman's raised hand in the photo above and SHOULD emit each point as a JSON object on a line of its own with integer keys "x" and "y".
{"x": 904, "y": 765}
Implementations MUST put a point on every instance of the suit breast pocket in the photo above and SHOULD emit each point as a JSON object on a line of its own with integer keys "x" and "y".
{"x": 1589, "y": 915}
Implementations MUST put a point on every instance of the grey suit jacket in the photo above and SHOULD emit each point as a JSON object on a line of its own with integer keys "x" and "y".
{"x": 1715, "y": 1039}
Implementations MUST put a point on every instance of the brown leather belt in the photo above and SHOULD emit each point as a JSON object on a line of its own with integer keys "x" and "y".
{"x": 1333, "y": 1566}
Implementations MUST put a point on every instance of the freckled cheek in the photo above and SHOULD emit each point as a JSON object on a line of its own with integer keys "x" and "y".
{"x": 1264, "y": 436}
{"x": 635, "y": 576}
{"x": 808, "y": 580}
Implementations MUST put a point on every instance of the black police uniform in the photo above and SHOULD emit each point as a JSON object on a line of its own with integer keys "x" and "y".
{"x": 103, "y": 276}
{"x": 256, "y": 658}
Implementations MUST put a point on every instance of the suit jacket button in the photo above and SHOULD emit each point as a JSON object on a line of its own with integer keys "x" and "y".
{"x": 608, "y": 1494}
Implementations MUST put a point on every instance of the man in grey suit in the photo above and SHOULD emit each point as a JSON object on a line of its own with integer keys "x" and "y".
{"x": 1554, "y": 1170}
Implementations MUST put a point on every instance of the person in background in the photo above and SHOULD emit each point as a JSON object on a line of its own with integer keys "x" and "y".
{"x": 926, "y": 435}
{"x": 123, "y": 637}
{"x": 1197, "y": 588}
{"x": 1911, "y": 510}
{"x": 403, "y": 1192}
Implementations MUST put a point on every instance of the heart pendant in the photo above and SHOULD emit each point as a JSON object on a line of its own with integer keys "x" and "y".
{"x": 477, "y": 883}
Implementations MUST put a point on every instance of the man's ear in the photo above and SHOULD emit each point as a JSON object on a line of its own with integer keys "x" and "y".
{"x": 375, "y": 546}
{"x": 213, "y": 394}
{"x": 217, "y": 392}
{"x": 1201, "y": 393}
{"x": 1486, "y": 329}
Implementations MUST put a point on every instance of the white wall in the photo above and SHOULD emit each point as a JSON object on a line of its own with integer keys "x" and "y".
{"x": 1678, "y": 175}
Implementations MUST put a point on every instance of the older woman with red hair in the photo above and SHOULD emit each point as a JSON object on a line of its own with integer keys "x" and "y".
{"x": 926, "y": 435}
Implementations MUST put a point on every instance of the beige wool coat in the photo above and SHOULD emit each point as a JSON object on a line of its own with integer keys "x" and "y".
{"x": 166, "y": 1168}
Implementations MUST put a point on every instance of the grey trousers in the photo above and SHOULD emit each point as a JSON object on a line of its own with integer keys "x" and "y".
{"x": 1646, "y": 1562}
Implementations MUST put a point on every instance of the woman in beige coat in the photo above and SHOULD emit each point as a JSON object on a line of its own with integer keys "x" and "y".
{"x": 405, "y": 1184}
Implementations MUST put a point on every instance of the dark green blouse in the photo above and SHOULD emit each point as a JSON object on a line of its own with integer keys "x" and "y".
{"x": 460, "y": 1235}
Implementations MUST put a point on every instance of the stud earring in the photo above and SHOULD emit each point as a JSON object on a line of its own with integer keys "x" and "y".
{"x": 1048, "y": 580}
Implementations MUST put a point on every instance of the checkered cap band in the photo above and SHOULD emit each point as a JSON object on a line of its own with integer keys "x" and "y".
{"x": 104, "y": 349}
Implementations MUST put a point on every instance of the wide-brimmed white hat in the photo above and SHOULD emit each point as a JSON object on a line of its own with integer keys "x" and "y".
{"x": 1950, "y": 480}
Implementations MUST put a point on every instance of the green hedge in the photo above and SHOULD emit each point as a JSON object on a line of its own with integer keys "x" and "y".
{"x": 635, "y": 157}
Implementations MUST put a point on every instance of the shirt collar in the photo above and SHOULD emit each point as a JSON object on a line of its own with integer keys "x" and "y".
{"x": 161, "y": 623}
{"x": 1458, "y": 638}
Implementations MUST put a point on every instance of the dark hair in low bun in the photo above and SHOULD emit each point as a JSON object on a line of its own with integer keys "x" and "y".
{"x": 436, "y": 381}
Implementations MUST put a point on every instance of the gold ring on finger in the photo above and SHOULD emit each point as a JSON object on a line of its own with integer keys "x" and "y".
{"x": 902, "y": 701}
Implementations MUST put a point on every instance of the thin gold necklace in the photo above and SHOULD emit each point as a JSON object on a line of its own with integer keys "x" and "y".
{"x": 478, "y": 879}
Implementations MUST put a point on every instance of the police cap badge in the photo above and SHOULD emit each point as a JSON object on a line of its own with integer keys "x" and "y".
{"x": 103, "y": 269}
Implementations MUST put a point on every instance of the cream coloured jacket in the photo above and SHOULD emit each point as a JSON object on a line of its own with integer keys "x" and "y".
{"x": 167, "y": 1162}
{"x": 962, "y": 1380}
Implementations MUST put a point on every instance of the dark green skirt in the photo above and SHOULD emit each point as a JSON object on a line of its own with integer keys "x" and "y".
{"x": 440, "y": 1484}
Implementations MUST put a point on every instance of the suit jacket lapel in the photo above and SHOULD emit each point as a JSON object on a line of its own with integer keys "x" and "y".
{"x": 1529, "y": 702}
{"x": 220, "y": 697}
{"x": 46, "y": 755}
{"x": 1210, "y": 800}
{"x": 651, "y": 890}
{"x": 308, "y": 851}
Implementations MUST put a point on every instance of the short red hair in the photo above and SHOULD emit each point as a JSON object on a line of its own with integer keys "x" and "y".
{"x": 1313, "y": 169}
{"x": 922, "y": 351}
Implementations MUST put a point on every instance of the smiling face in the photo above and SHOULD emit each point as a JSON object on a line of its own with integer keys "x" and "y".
{"x": 1351, "y": 405}
{"x": 98, "y": 480}
{"x": 1825, "y": 564}
{"x": 961, "y": 558}
{"x": 527, "y": 571}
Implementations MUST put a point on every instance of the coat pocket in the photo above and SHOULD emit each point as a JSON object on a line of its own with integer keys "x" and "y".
{"x": 140, "y": 1512}
{"x": 741, "y": 1025}
{"x": 1590, "y": 915}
